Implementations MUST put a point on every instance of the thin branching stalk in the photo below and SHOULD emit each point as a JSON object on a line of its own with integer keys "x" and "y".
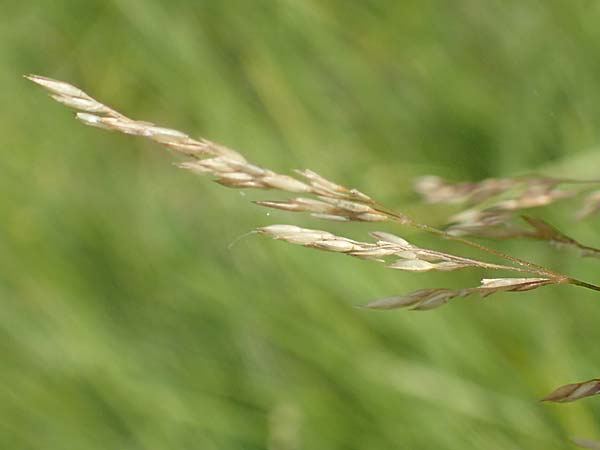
{"x": 530, "y": 267}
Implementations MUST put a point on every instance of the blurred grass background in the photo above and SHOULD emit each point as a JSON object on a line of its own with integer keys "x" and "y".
{"x": 127, "y": 323}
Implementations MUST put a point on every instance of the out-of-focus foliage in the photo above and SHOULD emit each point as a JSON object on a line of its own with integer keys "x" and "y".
{"x": 127, "y": 322}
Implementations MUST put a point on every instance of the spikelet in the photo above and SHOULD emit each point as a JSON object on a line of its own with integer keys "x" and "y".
{"x": 575, "y": 391}
{"x": 586, "y": 443}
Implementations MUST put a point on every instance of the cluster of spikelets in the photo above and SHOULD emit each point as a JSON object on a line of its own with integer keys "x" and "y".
{"x": 493, "y": 206}
{"x": 492, "y": 203}
{"x": 405, "y": 257}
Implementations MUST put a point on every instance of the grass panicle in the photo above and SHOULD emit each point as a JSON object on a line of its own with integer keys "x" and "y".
{"x": 492, "y": 205}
